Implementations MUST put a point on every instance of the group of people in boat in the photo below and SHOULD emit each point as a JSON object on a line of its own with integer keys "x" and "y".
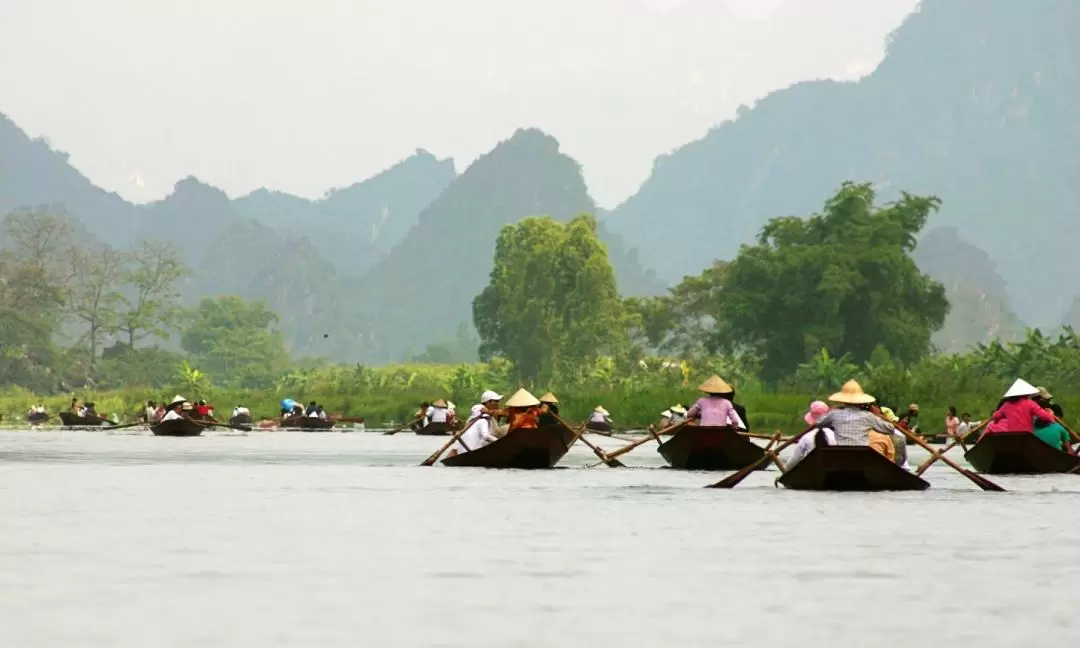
{"x": 290, "y": 409}
{"x": 157, "y": 412}
{"x": 437, "y": 411}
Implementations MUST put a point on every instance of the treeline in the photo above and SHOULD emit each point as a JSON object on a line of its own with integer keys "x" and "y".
{"x": 76, "y": 313}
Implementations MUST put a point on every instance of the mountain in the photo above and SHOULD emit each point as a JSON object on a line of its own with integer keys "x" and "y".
{"x": 355, "y": 226}
{"x": 975, "y": 102}
{"x": 423, "y": 290}
{"x": 979, "y": 305}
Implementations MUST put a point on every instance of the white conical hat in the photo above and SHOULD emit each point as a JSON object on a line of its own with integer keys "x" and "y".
{"x": 1021, "y": 388}
{"x": 522, "y": 398}
{"x": 176, "y": 400}
{"x": 666, "y": 413}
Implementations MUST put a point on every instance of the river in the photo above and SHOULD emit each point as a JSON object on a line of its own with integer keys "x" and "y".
{"x": 291, "y": 539}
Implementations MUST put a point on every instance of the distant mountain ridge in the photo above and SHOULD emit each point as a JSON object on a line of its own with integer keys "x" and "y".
{"x": 974, "y": 102}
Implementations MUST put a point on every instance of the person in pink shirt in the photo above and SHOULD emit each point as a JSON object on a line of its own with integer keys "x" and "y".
{"x": 715, "y": 409}
{"x": 1018, "y": 412}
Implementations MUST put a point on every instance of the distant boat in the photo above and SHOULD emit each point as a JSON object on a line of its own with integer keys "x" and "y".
{"x": 70, "y": 419}
{"x": 177, "y": 428}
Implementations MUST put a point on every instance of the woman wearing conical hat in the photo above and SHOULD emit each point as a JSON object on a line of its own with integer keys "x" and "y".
{"x": 853, "y": 423}
{"x": 599, "y": 420}
{"x": 549, "y": 409}
{"x": 175, "y": 408}
{"x": 437, "y": 412}
{"x": 523, "y": 410}
{"x": 1018, "y": 411}
{"x": 715, "y": 408}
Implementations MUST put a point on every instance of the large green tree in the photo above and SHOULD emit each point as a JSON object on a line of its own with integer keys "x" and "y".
{"x": 551, "y": 306}
{"x": 842, "y": 280}
{"x": 236, "y": 341}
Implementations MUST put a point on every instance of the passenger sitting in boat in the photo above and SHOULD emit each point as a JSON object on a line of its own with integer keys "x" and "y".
{"x": 1044, "y": 398}
{"x": 909, "y": 420}
{"x": 600, "y": 415}
{"x": 75, "y": 409}
{"x": 421, "y": 416}
{"x": 549, "y": 410}
{"x": 437, "y": 412}
{"x": 202, "y": 409}
{"x": 855, "y": 425}
{"x": 320, "y": 412}
{"x": 150, "y": 413}
{"x": 821, "y": 436}
{"x": 489, "y": 400}
{"x": 288, "y": 406}
{"x": 312, "y": 410}
{"x": 240, "y": 410}
{"x": 1018, "y": 411}
{"x": 89, "y": 411}
{"x": 523, "y": 410}
{"x": 174, "y": 409}
{"x": 1053, "y": 434}
{"x": 479, "y": 432}
{"x": 952, "y": 423}
{"x": 715, "y": 409}
{"x": 678, "y": 414}
{"x": 899, "y": 440}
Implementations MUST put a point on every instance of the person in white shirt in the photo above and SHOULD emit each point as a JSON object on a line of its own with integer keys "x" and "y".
{"x": 240, "y": 411}
{"x": 174, "y": 409}
{"x": 966, "y": 426}
{"x": 600, "y": 415}
{"x": 478, "y": 434}
{"x": 678, "y": 414}
{"x": 437, "y": 412}
{"x": 809, "y": 441}
{"x": 150, "y": 414}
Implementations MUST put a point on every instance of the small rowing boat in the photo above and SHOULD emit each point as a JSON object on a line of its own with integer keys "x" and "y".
{"x": 306, "y": 423}
{"x": 37, "y": 418}
{"x": 70, "y": 419}
{"x": 527, "y": 449}
{"x": 177, "y": 428}
{"x": 849, "y": 468}
{"x": 599, "y": 426}
{"x": 439, "y": 429}
{"x": 695, "y": 447}
{"x": 1018, "y": 453}
{"x": 240, "y": 419}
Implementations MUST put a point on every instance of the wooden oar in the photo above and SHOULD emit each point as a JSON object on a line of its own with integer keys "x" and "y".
{"x": 978, "y": 480}
{"x": 957, "y": 442}
{"x": 401, "y": 427}
{"x": 732, "y": 480}
{"x": 613, "y": 463}
{"x": 435, "y": 457}
{"x": 630, "y": 446}
{"x": 1075, "y": 437}
{"x": 210, "y": 424}
{"x": 127, "y": 425}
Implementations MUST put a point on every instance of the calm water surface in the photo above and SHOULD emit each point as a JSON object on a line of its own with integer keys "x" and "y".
{"x": 294, "y": 539}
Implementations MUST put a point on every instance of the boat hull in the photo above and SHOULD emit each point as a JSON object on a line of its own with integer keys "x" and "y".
{"x": 177, "y": 428}
{"x": 307, "y": 424}
{"x": 1018, "y": 453}
{"x": 37, "y": 419}
{"x": 437, "y": 429}
{"x": 599, "y": 426}
{"x": 240, "y": 419}
{"x": 73, "y": 420}
{"x": 526, "y": 449}
{"x": 849, "y": 468}
{"x": 695, "y": 447}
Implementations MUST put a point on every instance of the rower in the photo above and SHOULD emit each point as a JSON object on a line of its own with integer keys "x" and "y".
{"x": 174, "y": 409}
{"x": 75, "y": 409}
{"x": 312, "y": 410}
{"x": 490, "y": 400}
{"x": 853, "y": 423}
{"x": 150, "y": 413}
{"x": 600, "y": 417}
{"x": 437, "y": 412}
{"x": 549, "y": 409}
{"x": 678, "y": 414}
{"x": 1018, "y": 411}
{"x": 240, "y": 410}
{"x": 909, "y": 420}
{"x": 288, "y": 406}
{"x": 1054, "y": 434}
{"x": 320, "y": 412}
{"x": 421, "y": 415}
{"x": 479, "y": 430}
{"x": 523, "y": 409}
{"x": 716, "y": 409}
{"x": 89, "y": 411}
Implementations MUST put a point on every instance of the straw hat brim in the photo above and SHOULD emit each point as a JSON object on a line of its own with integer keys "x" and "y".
{"x": 522, "y": 398}
{"x": 848, "y": 398}
{"x": 439, "y": 403}
{"x": 549, "y": 398}
{"x": 715, "y": 385}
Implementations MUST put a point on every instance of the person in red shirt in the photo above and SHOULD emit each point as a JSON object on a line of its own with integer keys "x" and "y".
{"x": 1018, "y": 411}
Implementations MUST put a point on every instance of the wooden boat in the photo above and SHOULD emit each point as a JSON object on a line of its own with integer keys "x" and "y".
{"x": 528, "y": 448}
{"x": 695, "y": 447}
{"x": 1018, "y": 453}
{"x": 70, "y": 419}
{"x": 306, "y": 423}
{"x": 177, "y": 428}
{"x": 439, "y": 429}
{"x": 240, "y": 419}
{"x": 37, "y": 418}
{"x": 849, "y": 468}
{"x": 599, "y": 426}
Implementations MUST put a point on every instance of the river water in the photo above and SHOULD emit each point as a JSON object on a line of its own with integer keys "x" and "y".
{"x": 293, "y": 539}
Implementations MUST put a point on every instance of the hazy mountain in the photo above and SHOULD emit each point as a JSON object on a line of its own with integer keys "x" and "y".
{"x": 423, "y": 290}
{"x": 979, "y": 306}
{"x": 355, "y": 226}
{"x": 974, "y": 102}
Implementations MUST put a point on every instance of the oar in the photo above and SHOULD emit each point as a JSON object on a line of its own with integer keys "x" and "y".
{"x": 401, "y": 427}
{"x": 210, "y": 424}
{"x": 128, "y": 425}
{"x": 938, "y": 455}
{"x": 435, "y": 457}
{"x": 732, "y": 480}
{"x": 349, "y": 419}
{"x": 978, "y": 480}
{"x": 613, "y": 463}
{"x": 630, "y": 446}
{"x": 1071, "y": 433}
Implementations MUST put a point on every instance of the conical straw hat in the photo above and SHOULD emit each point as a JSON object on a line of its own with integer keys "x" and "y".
{"x": 1021, "y": 388}
{"x": 600, "y": 410}
{"x": 522, "y": 398}
{"x": 439, "y": 403}
{"x": 715, "y": 385}
{"x": 176, "y": 400}
{"x": 549, "y": 398}
{"x": 679, "y": 409}
{"x": 852, "y": 394}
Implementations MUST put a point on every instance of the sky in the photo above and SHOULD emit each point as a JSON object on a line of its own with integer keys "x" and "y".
{"x": 305, "y": 95}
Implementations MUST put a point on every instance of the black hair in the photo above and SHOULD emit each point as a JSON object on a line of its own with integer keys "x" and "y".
{"x": 952, "y": 410}
{"x": 1056, "y": 409}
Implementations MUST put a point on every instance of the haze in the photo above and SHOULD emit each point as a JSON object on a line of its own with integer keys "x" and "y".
{"x": 302, "y": 96}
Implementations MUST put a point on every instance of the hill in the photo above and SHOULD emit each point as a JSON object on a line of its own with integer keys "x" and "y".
{"x": 974, "y": 102}
{"x": 423, "y": 290}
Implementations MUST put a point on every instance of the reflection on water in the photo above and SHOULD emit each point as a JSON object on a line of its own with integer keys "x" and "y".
{"x": 296, "y": 539}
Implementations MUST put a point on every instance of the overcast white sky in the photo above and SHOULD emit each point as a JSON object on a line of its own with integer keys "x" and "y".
{"x": 304, "y": 95}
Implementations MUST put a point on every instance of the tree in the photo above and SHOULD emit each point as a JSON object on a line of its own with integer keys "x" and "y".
{"x": 551, "y": 304}
{"x": 93, "y": 294}
{"x": 152, "y": 300}
{"x": 689, "y": 320}
{"x": 236, "y": 339}
{"x": 842, "y": 280}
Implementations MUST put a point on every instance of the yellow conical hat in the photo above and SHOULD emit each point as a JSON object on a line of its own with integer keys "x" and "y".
{"x": 549, "y": 398}
{"x": 852, "y": 394}
{"x": 439, "y": 403}
{"x": 715, "y": 385}
{"x": 522, "y": 398}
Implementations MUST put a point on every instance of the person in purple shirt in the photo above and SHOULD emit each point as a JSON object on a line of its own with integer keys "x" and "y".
{"x": 715, "y": 409}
